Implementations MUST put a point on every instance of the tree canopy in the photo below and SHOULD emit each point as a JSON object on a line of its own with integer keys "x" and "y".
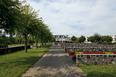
{"x": 106, "y": 39}
{"x": 73, "y": 38}
{"x": 22, "y": 21}
{"x": 82, "y": 39}
{"x": 97, "y": 38}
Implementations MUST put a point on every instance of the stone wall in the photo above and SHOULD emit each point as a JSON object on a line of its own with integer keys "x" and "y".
{"x": 96, "y": 59}
{"x": 93, "y": 47}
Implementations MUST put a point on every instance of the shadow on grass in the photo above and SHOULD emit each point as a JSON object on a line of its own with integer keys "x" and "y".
{"x": 21, "y": 64}
{"x": 22, "y": 61}
{"x": 99, "y": 74}
{"x": 37, "y": 52}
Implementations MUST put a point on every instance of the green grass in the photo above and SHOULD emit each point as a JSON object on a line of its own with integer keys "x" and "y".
{"x": 99, "y": 70}
{"x": 22, "y": 44}
{"x": 14, "y": 44}
{"x": 14, "y": 64}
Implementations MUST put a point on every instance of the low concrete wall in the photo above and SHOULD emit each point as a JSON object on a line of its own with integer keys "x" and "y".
{"x": 96, "y": 59}
{"x": 12, "y": 49}
{"x": 3, "y": 46}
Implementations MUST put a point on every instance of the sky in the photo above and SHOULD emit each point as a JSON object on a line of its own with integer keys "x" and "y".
{"x": 77, "y": 17}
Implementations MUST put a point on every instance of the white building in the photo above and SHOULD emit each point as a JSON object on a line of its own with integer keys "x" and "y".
{"x": 62, "y": 38}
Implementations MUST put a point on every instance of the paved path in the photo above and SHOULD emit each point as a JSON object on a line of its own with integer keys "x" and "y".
{"x": 55, "y": 63}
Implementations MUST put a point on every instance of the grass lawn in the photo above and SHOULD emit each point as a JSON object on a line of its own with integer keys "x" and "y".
{"x": 99, "y": 70}
{"x": 14, "y": 44}
{"x": 21, "y": 44}
{"x": 14, "y": 64}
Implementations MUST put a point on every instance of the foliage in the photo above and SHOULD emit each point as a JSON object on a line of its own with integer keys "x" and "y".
{"x": 9, "y": 11}
{"x": 10, "y": 40}
{"x": 106, "y": 39}
{"x": 96, "y": 38}
{"x": 91, "y": 39}
{"x": 3, "y": 39}
{"x": 73, "y": 38}
{"x": 21, "y": 22}
{"x": 82, "y": 39}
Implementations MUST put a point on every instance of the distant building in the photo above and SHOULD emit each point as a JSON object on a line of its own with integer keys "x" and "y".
{"x": 62, "y": 38}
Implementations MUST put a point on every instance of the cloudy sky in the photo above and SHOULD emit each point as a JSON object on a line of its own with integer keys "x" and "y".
{"x": 78, "y": 17}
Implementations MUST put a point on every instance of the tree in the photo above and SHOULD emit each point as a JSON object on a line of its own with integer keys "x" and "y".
{"x": 36, "y": 34}
{"x": 44, "y": 33}
{"x": 96, "y": 38}
{"x": 53, "y": 38}
{"x": 18, "y": 38}
{"x": 82, "y": 39}
{"x": 9, "y": 10}
{"x": 91, "y": 39}
{"x": 73, "y": 38}
{"x": 106, "y": 39}
{"x": 26, "y": 21}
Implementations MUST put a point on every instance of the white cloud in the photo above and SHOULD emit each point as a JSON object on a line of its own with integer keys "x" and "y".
{"x": 78, "y": 17}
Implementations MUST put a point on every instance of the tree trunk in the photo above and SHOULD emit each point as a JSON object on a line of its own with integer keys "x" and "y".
{"x": 36, "y": 44}
{"x": 45, "y": 43}
{"x": 25, "y": 44}
{"x": 42, "y": 43}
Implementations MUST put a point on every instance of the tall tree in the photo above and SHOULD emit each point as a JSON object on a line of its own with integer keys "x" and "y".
{"x": 96, "y": 38}
{"x": 82, "y": 39}
{"x": 37, "y": 31}
{"x": 106, "y": 39}
{"x": 26, "y": 27}
{"x": 9, "y": 11}
{"x": 91, "y": 39}
{"x": 73, "y": 38}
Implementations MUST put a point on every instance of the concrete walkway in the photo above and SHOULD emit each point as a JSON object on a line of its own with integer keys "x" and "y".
{"x": 55, "y": 63}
